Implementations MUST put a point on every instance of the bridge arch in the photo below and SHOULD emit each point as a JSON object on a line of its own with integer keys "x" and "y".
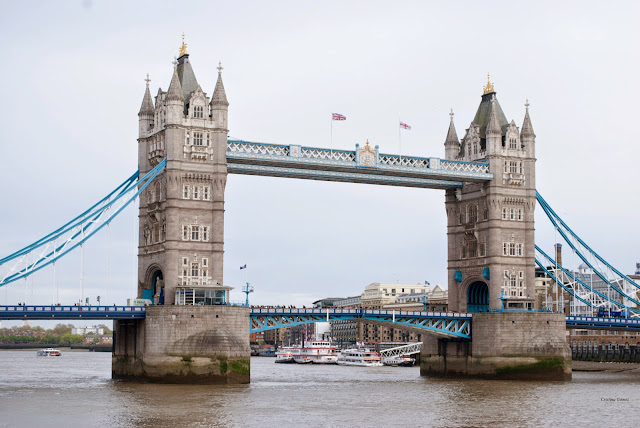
{"x": 153, "y": 287}
{"x": 478, "y": 296}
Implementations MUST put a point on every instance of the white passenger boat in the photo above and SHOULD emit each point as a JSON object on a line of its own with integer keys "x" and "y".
{"x": 403, "y": 361}
{"x": 49, "y": 352}
{"x": 318, "y": 351}
{"x": 359, "y": 357}
{"x": 284, "y": 355}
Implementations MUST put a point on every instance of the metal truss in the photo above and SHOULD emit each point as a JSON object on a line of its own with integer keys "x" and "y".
{"x": 616, "y": 281}
{"x": 350, "y": 177}
{"x": 244, "y": 157}
{"x": 446, "y": 324}
{"x": 578, "y": 288}
{"x": 603, "y": 323}
{"x": 398, "y": 351}
{"x": 65, "y": 239}
{"x": 38, "y": 312}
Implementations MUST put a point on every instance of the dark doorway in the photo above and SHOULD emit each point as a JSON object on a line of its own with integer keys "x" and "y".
{"x": 157, "y": 285}
{"x": 478, "y": 297}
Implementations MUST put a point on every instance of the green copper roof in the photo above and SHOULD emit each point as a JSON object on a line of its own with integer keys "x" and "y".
{"x": 484, "y": 110}
{"x": 187, "y": 77}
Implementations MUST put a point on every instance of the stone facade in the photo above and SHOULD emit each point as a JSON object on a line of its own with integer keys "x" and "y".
{"x": 184, "y": 344}
{"x": 181, "y": 218}
{"x": 515, "y": 345}
{"x": 490, "y": 226}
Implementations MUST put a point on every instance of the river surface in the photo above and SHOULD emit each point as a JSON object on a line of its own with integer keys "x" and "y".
{"x": 76, "y": 390}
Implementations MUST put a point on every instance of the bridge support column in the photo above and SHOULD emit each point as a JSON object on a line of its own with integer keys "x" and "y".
{"x": 184, "y": 344}
{"x": 523, "y": 346}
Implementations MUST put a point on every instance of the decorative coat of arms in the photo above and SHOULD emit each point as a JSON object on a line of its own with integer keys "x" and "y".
{"x": 367, "y": 155}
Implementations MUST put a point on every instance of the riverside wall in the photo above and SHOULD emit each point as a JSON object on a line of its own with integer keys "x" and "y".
{"x": 505, "y": 345}
{"x": 184, "y": 344}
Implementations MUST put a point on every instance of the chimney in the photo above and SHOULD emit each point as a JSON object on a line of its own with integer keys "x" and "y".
{"x": 558, "y": 254}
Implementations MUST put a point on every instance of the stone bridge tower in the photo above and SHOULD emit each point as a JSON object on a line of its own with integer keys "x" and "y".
{"x": 490, "y": 226}
{"x": 181, "y": 216}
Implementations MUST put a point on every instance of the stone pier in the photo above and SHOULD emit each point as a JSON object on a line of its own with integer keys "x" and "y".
{"x": 184, "y": 344}
{"x": 515, "y": 346}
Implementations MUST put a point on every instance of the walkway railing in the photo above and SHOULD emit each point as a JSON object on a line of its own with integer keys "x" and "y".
{"x": 363, "y": 165}
{"x": 66, "y": 312}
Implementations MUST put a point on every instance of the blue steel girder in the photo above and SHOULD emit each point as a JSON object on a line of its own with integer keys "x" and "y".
{"x": 372, "y": 167}
{"x": 601, "y": 323}
{"x": 66, "y": 312}
{"x": 447, "y": 324}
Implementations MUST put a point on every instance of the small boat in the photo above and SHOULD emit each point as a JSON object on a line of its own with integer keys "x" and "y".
{"x": 359, "y": 357}
{"x": 304, "y": 360}
{"x": 284, "y": 356}
{"x": 49, "y": 352}
{"x": 398, "y": 361}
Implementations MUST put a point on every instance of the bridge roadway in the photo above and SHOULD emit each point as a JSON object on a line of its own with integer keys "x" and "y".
{"x": 457, "y": 325}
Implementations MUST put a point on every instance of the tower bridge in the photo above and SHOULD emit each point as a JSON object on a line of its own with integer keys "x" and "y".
{"x": 184, "y": 158}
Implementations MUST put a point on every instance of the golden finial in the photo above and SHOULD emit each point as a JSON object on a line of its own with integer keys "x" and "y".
{"x": 183, "y": 48}
{"x": 489, "y": 88}
{"x": 367, "y": 146}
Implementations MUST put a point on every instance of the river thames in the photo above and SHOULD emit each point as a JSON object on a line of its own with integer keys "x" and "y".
{"x": 76, "y": 390}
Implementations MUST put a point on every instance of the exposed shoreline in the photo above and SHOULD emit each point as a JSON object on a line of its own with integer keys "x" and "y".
{"x": 595, "y": 366}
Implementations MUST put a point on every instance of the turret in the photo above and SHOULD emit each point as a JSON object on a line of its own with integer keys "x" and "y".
{"x": 219, "y": 104}
{"x": 175, "y": 99}
{"x": 145, "y": 115}
{"x": 451, "y": 143}
{"x": 527, "y": 136}
{"x": 494, "y": 130}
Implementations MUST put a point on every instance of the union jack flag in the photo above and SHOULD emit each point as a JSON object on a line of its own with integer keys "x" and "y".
{"x": 338, "y": 116}
{"x": 404, "y": 125}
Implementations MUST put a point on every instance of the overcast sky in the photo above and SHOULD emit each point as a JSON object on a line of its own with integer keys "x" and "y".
{"x": 72, "y": 81}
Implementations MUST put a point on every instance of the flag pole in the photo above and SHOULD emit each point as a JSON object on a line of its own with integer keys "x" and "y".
{"x": 331, "y": 151}
{"x": 400, "y": 137}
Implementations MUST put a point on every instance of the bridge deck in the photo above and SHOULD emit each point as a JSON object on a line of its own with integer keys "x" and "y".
{"x": 244, "y": 157}
{"x": 40, "y": 312}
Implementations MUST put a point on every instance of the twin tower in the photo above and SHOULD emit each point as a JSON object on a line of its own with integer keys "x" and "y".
{"x": 490, "y": 225}
{"x": 181, "y": 216}
{"x": 190, "y": 335}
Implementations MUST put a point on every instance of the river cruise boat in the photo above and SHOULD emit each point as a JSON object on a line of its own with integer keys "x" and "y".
{"x": 359, "y": 357}
{"x": 315, "y": 352}
{"x": 318, "y": 351}
{"x": 285, "y": 355}
{"x": 403, "y": 361}
{"x": 49, "y": 352}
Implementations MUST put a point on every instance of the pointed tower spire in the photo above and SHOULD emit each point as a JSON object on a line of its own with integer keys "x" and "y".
{"x": 175, "y": 88}
{"x": 452, "y": 136}
{"x": 147, "y": 104}
{"x": 219, "y": 97}
{"x": 493, "y": 124}
{"x": 527, "y": 129}
{"x": 451, "y": 143}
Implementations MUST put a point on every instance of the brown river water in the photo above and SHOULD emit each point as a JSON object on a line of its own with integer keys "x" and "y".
{"x": 76, "y": 390}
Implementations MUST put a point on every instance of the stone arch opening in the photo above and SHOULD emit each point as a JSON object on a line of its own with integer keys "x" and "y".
{"x": 478, "y": 297}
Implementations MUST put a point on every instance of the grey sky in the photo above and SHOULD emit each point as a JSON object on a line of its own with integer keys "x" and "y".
{"x": 72, "y": 81}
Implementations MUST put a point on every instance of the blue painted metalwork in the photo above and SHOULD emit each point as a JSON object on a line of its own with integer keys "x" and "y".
{"x": 448, "y": 324}
{"x": 245, "y": 157}
{"x": 553, "y": 217}
{"x": 478, "y": 297}
{"x": 458, "y": 276}
{"x": 552, "y": 263}
{"x": 39, "y": 312}
{"x": 486, "y": 274}
{"x": 85, "y": 222}
{"x": 603, "y": 323}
